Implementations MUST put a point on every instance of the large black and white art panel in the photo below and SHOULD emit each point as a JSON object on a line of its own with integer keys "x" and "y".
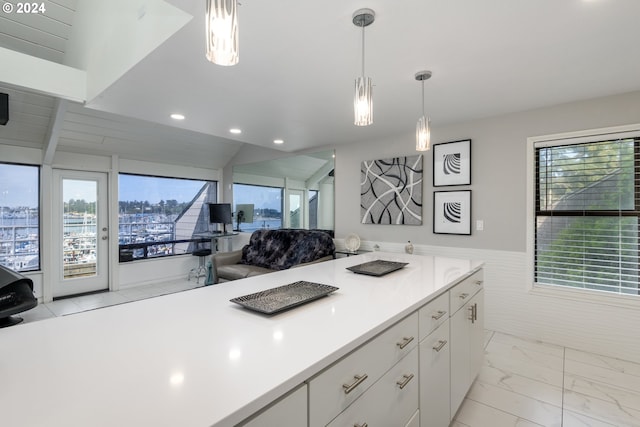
{"x": 391, "y": 191}
{"x": 452, "y": 163}
{"x": 452, "y": 212}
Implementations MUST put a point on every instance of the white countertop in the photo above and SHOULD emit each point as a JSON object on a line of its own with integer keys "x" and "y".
{"x": 196, "y": 359}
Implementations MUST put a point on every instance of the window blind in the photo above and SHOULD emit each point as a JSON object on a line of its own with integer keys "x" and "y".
{"x": 587, "y": 228}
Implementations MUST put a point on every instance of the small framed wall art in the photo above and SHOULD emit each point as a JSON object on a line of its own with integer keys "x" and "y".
{"x": 452, "y": 212}
{"x": 452, "y": 163}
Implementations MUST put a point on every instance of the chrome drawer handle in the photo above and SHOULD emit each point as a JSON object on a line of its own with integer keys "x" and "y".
{"x": 464, "y": 296}
{"x": 441, "y": 344}
{"x": 405, "y": 342}
{"x": 361, "y": 425}
{"x": 403, "y": 383}
{"x": 438, "y": 314}
{"x": 348, "y": 388}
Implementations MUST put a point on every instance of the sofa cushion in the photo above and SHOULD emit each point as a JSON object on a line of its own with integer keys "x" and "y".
{"x": 282, "y": 249}
{"x": 240, "y": 271}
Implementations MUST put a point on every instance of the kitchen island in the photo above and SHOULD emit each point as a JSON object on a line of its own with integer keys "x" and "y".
{"x": 196, "y": 359}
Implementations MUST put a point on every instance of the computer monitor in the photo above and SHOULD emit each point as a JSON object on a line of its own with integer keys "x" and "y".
{"x": 244, "y": 213}
{"x": 220, "y": 213}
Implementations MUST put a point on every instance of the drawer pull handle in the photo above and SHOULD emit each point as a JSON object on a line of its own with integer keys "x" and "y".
{"x": 438, "y": 314}
{"x": 405, "y": 342}
{"x": 441, "y": 344}
{"x": 348, "y": 388}
{"x": 479, "y": 282}
{"x": 403, "y": 382}
{"x": 464, "y": 296}
{"x": 361, "y": 425}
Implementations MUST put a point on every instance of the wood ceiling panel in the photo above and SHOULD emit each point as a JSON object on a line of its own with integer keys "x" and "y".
{"x": 28, "y": 48}
{"x": 33, "y": 35}
{"x": 81, "y": 136}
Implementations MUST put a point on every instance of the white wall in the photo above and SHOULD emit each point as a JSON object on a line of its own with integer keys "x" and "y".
{"x": 499, "y": 198}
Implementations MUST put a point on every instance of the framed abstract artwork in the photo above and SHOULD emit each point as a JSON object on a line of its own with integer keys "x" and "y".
{"x": 452, "y": 212}
{"x": 391, "y": 191}
{"x": 452, "y": 163}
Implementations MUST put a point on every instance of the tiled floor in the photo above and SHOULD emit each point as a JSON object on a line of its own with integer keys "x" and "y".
{"x": 522, "y": 383}
{"x": 73, "y": 305}
{"x": 526, "y": 383}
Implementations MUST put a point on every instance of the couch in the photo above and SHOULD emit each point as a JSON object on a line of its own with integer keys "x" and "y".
{"x": 273, "y": 250}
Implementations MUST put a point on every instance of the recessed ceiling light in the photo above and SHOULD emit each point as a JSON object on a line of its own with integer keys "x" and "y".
{"x": 235, "y": 130}
{"x": 176, "y": 116}
{"x": 278, "y": 141}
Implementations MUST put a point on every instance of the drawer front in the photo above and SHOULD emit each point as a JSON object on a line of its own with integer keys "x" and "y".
{"x": 290, "y": 411}
{"x": 433, "y": 314}
{"x": 460, "y": 294}
{"x": 415, "y": 420}
{"x": 435, "y": 391}
{"x": 337, "y": 387}
{"x": 385, "y": 403}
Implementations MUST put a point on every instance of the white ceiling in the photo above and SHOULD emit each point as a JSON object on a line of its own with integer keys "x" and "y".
{"x": 299, "y": 59}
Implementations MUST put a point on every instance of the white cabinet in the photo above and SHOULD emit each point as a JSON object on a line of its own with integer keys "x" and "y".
{"x": 290, "y": 411}
{"x": 391, "y": 401}
{"x": 434, "y": 378}
{"x": 467, "y": 335}
{"x": 415, "y": 420}
{"x": 340, "y": 385}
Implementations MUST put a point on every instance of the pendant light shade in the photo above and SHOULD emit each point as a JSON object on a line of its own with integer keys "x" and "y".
{"x": 363, "y": 101}
{"x": 363, "y": 98}
{"x": 222, "y": 32}
{"x": 423, "y": 128}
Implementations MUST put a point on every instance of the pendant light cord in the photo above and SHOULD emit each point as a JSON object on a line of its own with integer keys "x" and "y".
{"x": 422, "y": 98}
{"x": 363, "y": 49}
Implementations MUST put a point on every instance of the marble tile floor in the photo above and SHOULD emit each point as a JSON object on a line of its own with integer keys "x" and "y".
{"x": 522, "y": 383}
{"x": 526, "y": 383}
{"x": 66, "y": 306}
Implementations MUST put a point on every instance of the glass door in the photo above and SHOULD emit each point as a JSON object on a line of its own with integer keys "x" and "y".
{"x": 296, "y": 209}
{"x": 81, "y": 233}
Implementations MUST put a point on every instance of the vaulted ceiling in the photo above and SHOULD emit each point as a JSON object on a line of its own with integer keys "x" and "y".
{"x": 298, "y": 61}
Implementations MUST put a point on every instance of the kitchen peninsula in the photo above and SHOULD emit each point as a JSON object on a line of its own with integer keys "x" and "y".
{"x": 196, "y": 359}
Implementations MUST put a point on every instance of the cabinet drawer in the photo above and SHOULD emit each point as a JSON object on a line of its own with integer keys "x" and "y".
{"x": 415, "y": 420}
{"x": 329, "y": 392}
{"x": 385, "y": 403}
{"x": 433, "y": 314}
{"x": 290, "y": 411}
{"x": 460, "y": 294}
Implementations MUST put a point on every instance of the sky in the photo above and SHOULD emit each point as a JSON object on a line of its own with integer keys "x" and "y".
{"x": 18, "y": 186}
{"x": 154, "y": 189}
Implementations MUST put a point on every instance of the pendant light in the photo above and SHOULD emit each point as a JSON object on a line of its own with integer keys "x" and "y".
{"x": 222, "y": 31}
{"x": 423, "y": 128}
{"x": 363, "y": 99}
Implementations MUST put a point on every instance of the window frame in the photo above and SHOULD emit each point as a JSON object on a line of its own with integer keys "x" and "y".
{"x": 38, "y": 169}
{"x": 568, "y": 138}
{"x": 191, "y": 245}
{"x": 273, "y": 187}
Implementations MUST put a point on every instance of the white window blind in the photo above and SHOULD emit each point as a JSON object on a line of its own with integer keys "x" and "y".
{"x": 587, "y": 230}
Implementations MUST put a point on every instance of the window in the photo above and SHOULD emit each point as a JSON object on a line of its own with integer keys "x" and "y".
{"x": 587, "y": 210}
{"x": 161, "y": 216}
{"x": 267, "y": 205}
{"x": 19, "y": 217}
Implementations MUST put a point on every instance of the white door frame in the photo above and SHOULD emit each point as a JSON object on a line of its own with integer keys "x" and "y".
{"x": 99, "y": 281}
